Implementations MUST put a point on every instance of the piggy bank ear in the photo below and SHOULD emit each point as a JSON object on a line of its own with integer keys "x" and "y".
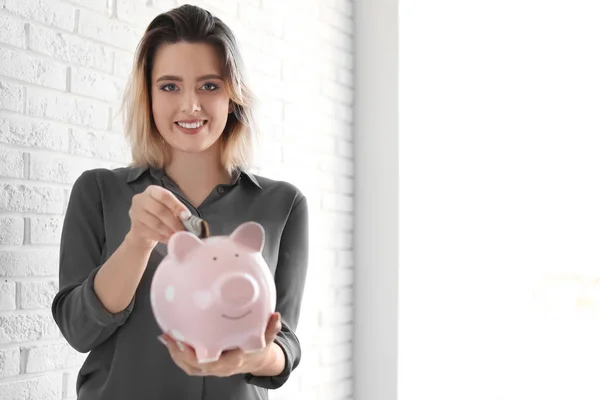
{"x": 250, "y": 234}
{"x": 182, "y": 243}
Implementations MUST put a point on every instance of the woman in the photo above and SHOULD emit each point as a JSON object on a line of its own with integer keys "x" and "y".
{"x": 189, "y": 121}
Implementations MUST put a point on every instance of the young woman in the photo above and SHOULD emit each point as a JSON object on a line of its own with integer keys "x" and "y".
{"x": 189, "y": 121}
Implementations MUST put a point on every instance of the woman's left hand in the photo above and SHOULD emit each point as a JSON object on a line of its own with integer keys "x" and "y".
{"x": 231, "y": 362}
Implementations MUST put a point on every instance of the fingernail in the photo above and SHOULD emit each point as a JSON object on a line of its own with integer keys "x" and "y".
{"x": 162, "y": 340}
{"x": 186, "y": 214}
{"x": 180, "y": 346}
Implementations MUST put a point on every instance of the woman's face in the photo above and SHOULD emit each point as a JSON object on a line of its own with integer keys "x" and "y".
{"x": 190, "y": 104}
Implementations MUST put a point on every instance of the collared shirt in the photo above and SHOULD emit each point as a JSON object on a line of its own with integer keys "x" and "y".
{"x": 125, "y": 360}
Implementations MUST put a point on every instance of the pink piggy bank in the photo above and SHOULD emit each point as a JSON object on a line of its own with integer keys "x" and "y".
{"x": 215, "y": 294}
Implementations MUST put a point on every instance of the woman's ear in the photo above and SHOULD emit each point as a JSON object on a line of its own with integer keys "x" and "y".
{"x": 230, "y": 106}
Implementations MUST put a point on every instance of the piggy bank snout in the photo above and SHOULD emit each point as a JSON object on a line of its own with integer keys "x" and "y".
{"x": 238, "y": 290}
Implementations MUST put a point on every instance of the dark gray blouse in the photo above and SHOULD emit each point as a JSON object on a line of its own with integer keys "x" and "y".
{"x": 126, "y": 361}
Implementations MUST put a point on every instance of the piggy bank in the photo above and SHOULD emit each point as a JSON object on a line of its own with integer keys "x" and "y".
{"x": 215, "y": 294}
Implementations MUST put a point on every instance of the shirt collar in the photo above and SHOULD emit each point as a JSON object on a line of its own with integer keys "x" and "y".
{"x": 248, "y": 175}
{"x": 136, "y": 172}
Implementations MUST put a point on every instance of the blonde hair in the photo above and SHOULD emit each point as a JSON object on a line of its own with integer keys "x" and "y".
{"x": 195, "y": 25}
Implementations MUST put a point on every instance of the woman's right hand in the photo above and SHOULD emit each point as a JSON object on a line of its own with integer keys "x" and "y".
{"x": 155, "y": 216}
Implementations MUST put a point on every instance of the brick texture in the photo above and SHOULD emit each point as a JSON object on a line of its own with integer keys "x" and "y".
{"x": 64, "y": 67}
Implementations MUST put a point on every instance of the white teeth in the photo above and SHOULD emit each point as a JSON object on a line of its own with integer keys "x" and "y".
{"x": 195, "y": 125}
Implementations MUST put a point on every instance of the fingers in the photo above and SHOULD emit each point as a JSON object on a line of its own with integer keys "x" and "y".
{"x": 169, "y": 200}
{"x": 273, "y": 327}
{"x": 229, "y": 361}
{"x": 183, "y": 356}
{"x": 155, "y": 214}
{"x": 163, "y": 216}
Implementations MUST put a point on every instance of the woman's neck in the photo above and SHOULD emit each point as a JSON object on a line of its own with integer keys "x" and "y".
{"x": 197, "y": 175}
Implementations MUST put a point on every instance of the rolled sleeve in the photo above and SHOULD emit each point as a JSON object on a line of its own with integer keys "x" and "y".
{"x": 77, "y": 310}
{"x": 95, "y": 309}
{"x": 290, "y": 278}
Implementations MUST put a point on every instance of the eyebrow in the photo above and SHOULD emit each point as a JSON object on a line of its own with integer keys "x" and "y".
{"x": 179, "y": 79}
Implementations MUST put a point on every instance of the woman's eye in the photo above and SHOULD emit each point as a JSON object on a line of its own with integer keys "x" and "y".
{"x": 169, "y": 87}
{"x": 209, "y": 86}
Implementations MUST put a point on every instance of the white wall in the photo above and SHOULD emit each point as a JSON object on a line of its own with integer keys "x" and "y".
{"x": 62, "y": 70}
{"x": 498, "y": 179}
{"x": 376, "y": 314}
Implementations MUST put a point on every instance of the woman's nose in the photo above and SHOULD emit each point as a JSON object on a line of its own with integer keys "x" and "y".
{"x": 191, "y": 103}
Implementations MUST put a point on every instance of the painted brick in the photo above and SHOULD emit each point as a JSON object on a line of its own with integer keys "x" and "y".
{"x": 12, "y": 165}
{"x": 344, "y": 113}
{"x": 321, "y": 379}
{"x": 60, "y": 169}
{"x": 264, "y": 21}
{"x": 337, "y": 20}
{"x": 123, "y": 63}
{"x": 265, "y": 87}
{"x": 345, "y": 7}
{"x": 70, "y": 48}
{"x": 11, "y": 230}
{"x": 345, "y": 259}
{"x": 336, "y": 354}
{"x": 10, "y": 360}
{"x": 12, "y": 31}
{"x": 268, "y": 64}
{"x": 337, "y": 240}
{"x": 66, "y": 108}
{"x": 8, "y": 296}
{"x": 330, "y": 335}
{"x": 345, "y": 295}
{"x": 37, "y": 295}
{"x": 26, "y": 67}
{"x": 19, "y": 130}
{"x": 344, "y": 185}
{"x": 45, "y": 230}
{"x": 106, "y": 146}
{"x": 225, "y": 9}
{"x": 335, "y": 315}
{"x": 336, "y": 278}
{"x": 98, "y": 5}
{"x": 345, "y": 148}
{"x": 337, "y": 92}
{"x": 56, "y": 14}
{"x": 27, "y": 262}
{"x": 339, "y": 165}
{"x": 16, "y": 328}
{"x": 107, "y": 30}
{"x": 271, "y": 109}
{"x": 96, "y": 84}
{"x": 52, "y": 357}
{"x": 309, "y": 160}
{"x": 335, "y": 37}
{"x": 27, "y": 198}
{"x": 345, "y": 77}
{"x": 336, "y": 202}
{"x": 11, "y": 96}
{"x": 135, "y": 12}
{"x": 47, "y": 387}
{"x": 335, "y": 58}
{"x": 70, "y": 379}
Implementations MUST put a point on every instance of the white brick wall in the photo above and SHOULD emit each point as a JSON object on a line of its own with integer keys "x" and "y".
{"x": 63, "y": 67}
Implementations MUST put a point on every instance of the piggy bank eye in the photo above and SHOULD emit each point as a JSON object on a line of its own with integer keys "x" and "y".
{"x": 237, "y": 255}
{"x": 215, "y": 258}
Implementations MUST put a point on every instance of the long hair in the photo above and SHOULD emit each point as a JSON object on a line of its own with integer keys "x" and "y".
{"x": 190, "y": 24}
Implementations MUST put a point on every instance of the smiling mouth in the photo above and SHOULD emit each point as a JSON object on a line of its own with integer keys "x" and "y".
{"x": 235, "y": 318}
{"x": 191, "y": 124}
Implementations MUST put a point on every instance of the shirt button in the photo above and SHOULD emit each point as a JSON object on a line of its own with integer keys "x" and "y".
{"x": 220, "y": 190}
